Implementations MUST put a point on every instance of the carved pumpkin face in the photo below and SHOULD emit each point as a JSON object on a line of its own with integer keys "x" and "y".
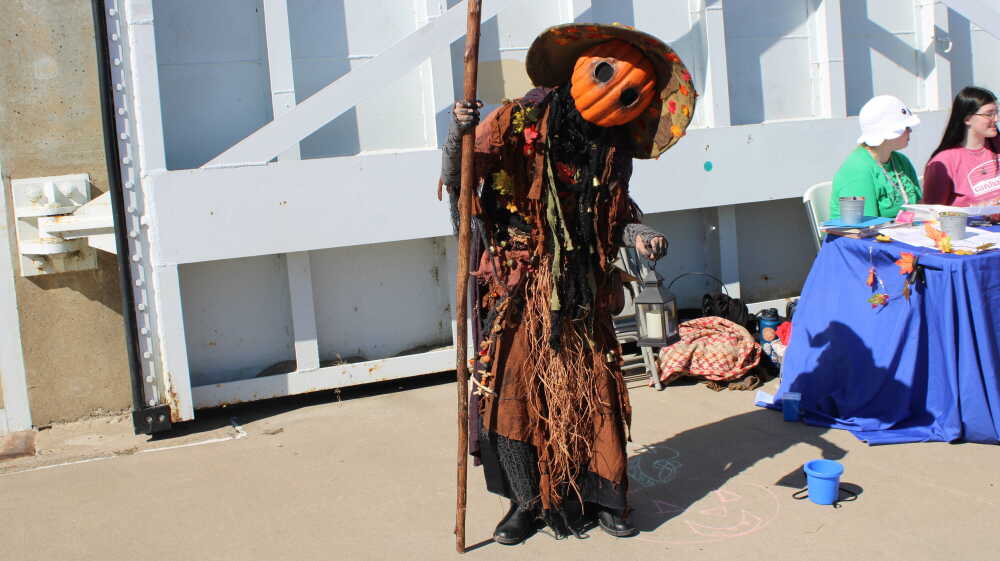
{"x": 612, "y": 83}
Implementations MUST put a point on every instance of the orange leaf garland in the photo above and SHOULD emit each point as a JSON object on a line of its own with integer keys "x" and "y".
{"x": 871, "y": 277}
{"x": 944, "y": 244}
{"x": 942, "y": 241}
{"x": 905, "y": 262}
{"x": 932, "y": 232}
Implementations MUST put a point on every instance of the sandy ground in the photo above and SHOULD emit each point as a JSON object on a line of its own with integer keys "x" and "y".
{"x": 370, "y": 474}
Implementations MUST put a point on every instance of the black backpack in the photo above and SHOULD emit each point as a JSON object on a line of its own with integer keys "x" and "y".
{"x": 733, "y": 309}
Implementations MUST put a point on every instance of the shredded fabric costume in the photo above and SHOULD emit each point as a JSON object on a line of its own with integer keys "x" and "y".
{"x": 550, "y": 415}
{"x": 551, "y": 209}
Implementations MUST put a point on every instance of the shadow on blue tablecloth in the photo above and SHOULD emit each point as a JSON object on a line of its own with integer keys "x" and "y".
{"x": 920, "y": 368}
{"x": 847, "y": 390}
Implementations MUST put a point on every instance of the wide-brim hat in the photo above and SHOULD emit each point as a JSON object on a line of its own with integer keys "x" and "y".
{"x": 884, "y": 117}
{"x": 553, "y": 54}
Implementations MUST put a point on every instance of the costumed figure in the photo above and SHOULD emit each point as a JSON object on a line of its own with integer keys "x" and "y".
{"x": 550, "y": 412}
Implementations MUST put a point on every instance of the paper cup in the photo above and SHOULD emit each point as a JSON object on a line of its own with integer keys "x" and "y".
{"x": 852, "y": 209}
{"x": 953, "y": 224}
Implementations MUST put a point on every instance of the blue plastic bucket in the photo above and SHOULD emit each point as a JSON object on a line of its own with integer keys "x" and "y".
{"x": 823, "y": 480}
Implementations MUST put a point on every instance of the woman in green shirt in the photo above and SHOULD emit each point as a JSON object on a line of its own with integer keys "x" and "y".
{"x": 875, "y": 170}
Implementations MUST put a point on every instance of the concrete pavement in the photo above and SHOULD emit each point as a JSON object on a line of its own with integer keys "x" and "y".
{"x": 372, "y": 477}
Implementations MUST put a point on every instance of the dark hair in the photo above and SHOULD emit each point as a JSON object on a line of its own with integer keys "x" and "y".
{"x": 967, "y": 102}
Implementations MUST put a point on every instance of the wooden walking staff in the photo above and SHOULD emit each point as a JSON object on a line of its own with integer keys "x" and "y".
{"x": 462, "y": 280}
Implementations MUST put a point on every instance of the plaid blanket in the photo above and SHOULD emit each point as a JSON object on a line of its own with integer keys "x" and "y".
{"x": 711, "y": 347}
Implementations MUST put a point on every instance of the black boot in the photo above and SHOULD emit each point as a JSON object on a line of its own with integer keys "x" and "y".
{"x": 615, "y": 524}
{"x": 515, "y": 526}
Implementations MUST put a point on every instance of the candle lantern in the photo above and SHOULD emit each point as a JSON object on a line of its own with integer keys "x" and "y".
{"x": 656, "y": 313}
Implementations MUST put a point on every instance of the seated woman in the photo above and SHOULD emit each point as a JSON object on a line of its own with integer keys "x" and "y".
{"x": 964, "y": 170}
{"x": 875, "y": 170}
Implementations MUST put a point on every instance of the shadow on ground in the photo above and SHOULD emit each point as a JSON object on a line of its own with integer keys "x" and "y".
{"x": 207, "y": 420}
{"x": 668, "y": 477}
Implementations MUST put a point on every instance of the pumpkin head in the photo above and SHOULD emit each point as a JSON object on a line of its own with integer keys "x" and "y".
{"x": 612, "y": 83}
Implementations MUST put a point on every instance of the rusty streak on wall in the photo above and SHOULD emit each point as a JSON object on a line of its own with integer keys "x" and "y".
{"x": 71, "y": 323}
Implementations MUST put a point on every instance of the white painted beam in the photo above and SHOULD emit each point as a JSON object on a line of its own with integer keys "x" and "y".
{"x": 932, "y": 17}
{"x": 729, "y": 250}
{"x": 397, "y": 190}
{"x": 300, "y": 286}
{"x": 325, "y": 378}
{"x": 139, "y": 125}
{"x": 146, "y": 83}
{"x": 575, "y": 8}
{"x": 92, "y": 219}
{"x": 716, "y": 95}
{"x": 828, "y": 59}
{"x": 437, "y": 76}
{"x": 103, "y": 242}
{"x": 984, "y": 13}
{"x": 173, "y": 345}
{"x": 13, "y": 376}
{"x": 279, "y": 65}
{"x": 330, "y": 102}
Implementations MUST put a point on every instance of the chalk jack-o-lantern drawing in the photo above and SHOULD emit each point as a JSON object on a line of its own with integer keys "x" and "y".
{"x": 612, "y": 83}
{"x": 725, "y": 520}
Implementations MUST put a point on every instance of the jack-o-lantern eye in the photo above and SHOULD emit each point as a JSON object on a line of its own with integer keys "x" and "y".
{"x": 603, "y": 72}
{"x": 629, "y": 96}
{"x": 612, "y": 83}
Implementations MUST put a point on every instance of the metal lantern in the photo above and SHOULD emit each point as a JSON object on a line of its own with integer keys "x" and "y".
{"x": 656, "y": 313}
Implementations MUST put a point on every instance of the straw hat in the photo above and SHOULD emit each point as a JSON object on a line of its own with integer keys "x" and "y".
{"x": 554, "y": 52}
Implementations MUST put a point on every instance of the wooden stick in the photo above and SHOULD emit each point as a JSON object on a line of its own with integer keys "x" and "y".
{"x": 462, "y": 275}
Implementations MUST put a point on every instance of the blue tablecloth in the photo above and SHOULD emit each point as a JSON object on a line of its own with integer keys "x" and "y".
{"x": 911, "y": 371}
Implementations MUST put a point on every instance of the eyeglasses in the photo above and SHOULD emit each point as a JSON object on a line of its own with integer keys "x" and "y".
{"x": 992, "y": 115}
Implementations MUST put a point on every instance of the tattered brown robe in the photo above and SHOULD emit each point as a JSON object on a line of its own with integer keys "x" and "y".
{"x": 567, "y": 401}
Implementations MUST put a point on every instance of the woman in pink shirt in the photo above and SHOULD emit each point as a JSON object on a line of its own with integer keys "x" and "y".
{"x": 965, "y": 169}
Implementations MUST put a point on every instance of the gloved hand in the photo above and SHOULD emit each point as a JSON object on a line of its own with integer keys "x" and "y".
{"x": 647, "y": 242}
{"x": 466, "y": 114}
{"x": 655, "y": 249}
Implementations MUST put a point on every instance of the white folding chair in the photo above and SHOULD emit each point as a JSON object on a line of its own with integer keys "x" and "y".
{"x": 626, "y": 329}
{"x": 817, "y": 203}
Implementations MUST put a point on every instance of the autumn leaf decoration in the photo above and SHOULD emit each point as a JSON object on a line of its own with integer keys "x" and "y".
{"x": 523, "y": 117}
{"x": 879, "y": 299}
{"x": 530, "y": 135}
{"x": 907, "y": 263}
{"x": 941, "y": 240}
{"x": 880, "y": 296}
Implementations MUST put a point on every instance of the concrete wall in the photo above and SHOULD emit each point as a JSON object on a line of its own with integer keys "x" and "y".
{"x": 71, "y": 323}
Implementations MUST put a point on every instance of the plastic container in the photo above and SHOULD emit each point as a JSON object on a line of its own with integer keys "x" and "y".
{"x": 790, "y": 406}
{"x": 823, "y": 480}
{"x": 768, "y": 318}
{"x": 852, "y": 209}
{"x": 953, "y": 224}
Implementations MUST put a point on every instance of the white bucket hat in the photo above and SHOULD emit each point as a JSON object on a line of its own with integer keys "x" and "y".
{"x": 883, "y": 118}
